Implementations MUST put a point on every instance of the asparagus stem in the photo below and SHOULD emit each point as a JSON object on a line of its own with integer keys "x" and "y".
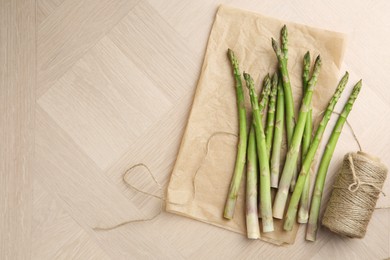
{"x": 282, "y": 55}
{"x": 289, "y": 101}
{"x": 265, "y": 190}
{"x": 269, "y": 131}
{"x": 293, "y": 151}
{"x": 324, "y": 164}
{"x": 304, "y": 173}
{"x": 278, "y": 137}
{"x": 242, "y": 141}
{"x": 303, "y": 213}
{"x": 252, "y": 217}
{"x": 264, "y": 95}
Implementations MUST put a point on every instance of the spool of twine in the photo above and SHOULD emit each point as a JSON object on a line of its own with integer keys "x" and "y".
{"x": 355, "y": 193}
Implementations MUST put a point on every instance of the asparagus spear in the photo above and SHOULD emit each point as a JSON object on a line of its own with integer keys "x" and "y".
{"x": 312, "y": 227}
{"x": 252, "y": 217}
{"x": 293, "y": 151}
{"x": 264, "y": 95}
{"x": 304, "y": 173}
{"x": 265, "y": 190}
{"x": 278, "y": 137}
{"x": 282, "y": 55}
{"x": 269, "y": 131}
{"x": 242, "y": 141}
{"x": 303, "y": 213}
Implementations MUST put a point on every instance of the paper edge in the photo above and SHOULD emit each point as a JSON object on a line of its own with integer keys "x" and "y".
{"x": 265, "y": 239}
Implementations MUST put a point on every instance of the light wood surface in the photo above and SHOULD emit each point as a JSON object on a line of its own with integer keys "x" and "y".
{"x": 90, "y": 88}
{"x": 17, "y": 106}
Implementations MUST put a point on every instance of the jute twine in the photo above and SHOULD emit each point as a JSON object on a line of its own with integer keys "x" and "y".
{"x": 131, "y": 186}
{"x": 161, "y": 197}
{"x": 355, "y": 193}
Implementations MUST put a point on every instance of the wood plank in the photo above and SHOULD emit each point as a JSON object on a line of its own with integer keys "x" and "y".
{"x": 73, "y": 28}
{"x": 160, "y": 161}
{"x": 157, "y": 50}
{"x": 90, "y": 198}
{"x": 104, "y": 102}
{"x": 184, "y": 17}
{"x": 345, "y": 248}
{"x": 45, "y": 8}
{"x": 17, "y": 105}
{"x": 56, "y": 235}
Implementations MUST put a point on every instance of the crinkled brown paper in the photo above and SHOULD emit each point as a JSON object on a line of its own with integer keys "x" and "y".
{"x": 214, "y": 110}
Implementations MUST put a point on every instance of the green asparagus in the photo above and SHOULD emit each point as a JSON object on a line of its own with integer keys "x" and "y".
{"x": 242, "y": 141}
{"x": 278, "y": 137}
{"x": 252, "y": 217}
{"x": 303, "y": 213}
{"x": 265, "y": 190}
{"x": 269, "y": 131}
{"x": 264, "y": 95}
{"x": 282, "y": 55}
{"x": 304, "y": 173}
{"x": 312, "y": 227}
{"x": 293, "y": 151}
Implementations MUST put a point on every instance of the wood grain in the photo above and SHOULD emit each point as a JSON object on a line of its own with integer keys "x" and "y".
{"x": 73, "y": 243}
{"x": 100, "y": 100}
{"x": 70, "y": 30}
{"x": 17, "y": 100}
{"x": 45, "y": 8}
{"x": 115, "y": 83}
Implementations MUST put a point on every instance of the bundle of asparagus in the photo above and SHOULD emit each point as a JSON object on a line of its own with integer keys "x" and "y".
{"x": 261, "y": 150}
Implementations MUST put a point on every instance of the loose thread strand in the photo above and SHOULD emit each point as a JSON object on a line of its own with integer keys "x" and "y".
{"x": 352, "y": 131}
{"x": 204, "y": 158}
{"x": 128, "y": 184}
{"x": 131, "y": 186}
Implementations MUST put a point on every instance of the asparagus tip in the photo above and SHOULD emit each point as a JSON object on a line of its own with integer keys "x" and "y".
{"x": 358, "y": 85}
{"x": 346, "y": 76}
{"x": 317, "y": 63}
{"x": 275, "y": 45}
{"x": 232, "y": 57}
{"x": 356, "y": 89}
{"x": 275, "y": 78}
{"x": 267, "y": 80}
{"x": 307, "y": 56}
{"x": 247, "y": 76}
{"x": 284, "y": 30}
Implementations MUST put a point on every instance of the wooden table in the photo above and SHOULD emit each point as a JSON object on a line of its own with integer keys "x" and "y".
{"x": 89, "y": 88}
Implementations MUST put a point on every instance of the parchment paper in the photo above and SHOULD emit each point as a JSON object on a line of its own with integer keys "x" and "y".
{"x": 214, "y": 110}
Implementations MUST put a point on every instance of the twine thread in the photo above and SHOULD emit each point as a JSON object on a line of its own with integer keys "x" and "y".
{"x": 131, "y": 186}
{"x": 205, "y": 156}
{"x": 161, "y": 198}
{"x": 355, "y": 193}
